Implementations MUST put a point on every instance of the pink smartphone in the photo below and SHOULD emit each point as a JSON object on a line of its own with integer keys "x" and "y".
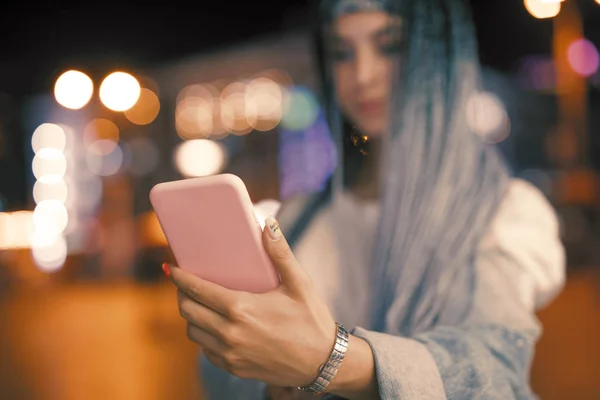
{"x": 210, "y": 225}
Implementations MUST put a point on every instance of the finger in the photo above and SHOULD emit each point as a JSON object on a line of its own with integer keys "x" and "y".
{"x": 213, "y": 296}
{"x": 200, "y": 315}
{"x": 204, "y": 339}
{"x": 291, "y": 272}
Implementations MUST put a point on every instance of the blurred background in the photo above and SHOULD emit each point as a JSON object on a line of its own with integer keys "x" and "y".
{"x": 99, "y": 102}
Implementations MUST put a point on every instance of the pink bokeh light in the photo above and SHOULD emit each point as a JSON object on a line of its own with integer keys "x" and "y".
{"x": 583, "y": 57}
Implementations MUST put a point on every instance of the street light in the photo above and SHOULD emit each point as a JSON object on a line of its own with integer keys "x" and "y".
{"x": 543, "y": 9}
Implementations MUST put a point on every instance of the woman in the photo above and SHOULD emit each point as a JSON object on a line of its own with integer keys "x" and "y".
{"x": 426, "y": 251}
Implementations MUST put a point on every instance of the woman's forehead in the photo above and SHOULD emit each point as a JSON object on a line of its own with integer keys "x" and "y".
{"x": 366, "y": 24}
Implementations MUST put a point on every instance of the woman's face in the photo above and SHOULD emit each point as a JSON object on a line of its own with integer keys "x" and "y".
{"x": 365, "y": 47}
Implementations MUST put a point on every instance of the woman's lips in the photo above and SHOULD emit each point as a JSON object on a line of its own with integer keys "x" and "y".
{"x": 371, "y": 108}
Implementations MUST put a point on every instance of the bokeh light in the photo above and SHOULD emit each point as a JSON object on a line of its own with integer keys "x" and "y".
{"x": 542, "y": 9}
{"x": 49, "y": 251}
{"x": 486, "y": 116}
{"x": 102, "y": 147}
{"x": 56, "y": 190}
{"x": 50, "y": 217}
{"x": 16, "y": 230}
{"x": 194, "y": 118}
{"x": 49, "y": 165}
{"x": 195, "y": 110}
{"x": 73, "y": 89}
{"x": 145, "y": 110}
{"x": 223, "y": 107}
{"x": 48, "y": 136}
{"x": 300, "y": 109}
{"x": 101, "y": 129}
{"x": 119, "y": 91}
{"x": 55, "y": 166}
{"x": 583, "y": 57}
{"x": 103, "y": 158}
{"x": 53, "y": 146}
{"x": 234, "y": 114}
{"x": 200, "y": 157}
{"x": 263, "y": 104}
{"x": 206, "y": 91}
{"x": 307, "y": 159}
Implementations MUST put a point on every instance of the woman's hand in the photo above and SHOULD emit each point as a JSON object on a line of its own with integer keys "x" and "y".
{"x": 280, "y": 337}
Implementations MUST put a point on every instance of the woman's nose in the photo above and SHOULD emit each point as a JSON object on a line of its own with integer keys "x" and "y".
{"x": 366, "y": 67}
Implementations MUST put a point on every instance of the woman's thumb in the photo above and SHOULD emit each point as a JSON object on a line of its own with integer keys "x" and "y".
{"x": 281, "y": 254}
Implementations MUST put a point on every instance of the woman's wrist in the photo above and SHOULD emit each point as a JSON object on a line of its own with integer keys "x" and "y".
{"x": 356, "y": 377}
{"x": 335, "y": 357}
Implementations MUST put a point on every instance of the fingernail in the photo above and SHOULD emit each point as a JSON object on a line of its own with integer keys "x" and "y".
{"x": 273, "y": 227}
{"x": 166, "y": 269}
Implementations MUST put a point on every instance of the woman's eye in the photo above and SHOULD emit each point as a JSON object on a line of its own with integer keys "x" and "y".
{"x": 340, "y": 55}
{"x": 391, "y": 48}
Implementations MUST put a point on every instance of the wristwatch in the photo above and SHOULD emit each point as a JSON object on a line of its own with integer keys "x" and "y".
{"x": 328, "y": 370}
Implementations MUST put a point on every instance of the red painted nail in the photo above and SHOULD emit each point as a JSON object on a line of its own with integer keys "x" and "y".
{"x": 166, "y": 269}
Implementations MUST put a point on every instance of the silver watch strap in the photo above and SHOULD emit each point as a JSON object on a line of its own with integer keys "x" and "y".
{"x": 328, "y": 370}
